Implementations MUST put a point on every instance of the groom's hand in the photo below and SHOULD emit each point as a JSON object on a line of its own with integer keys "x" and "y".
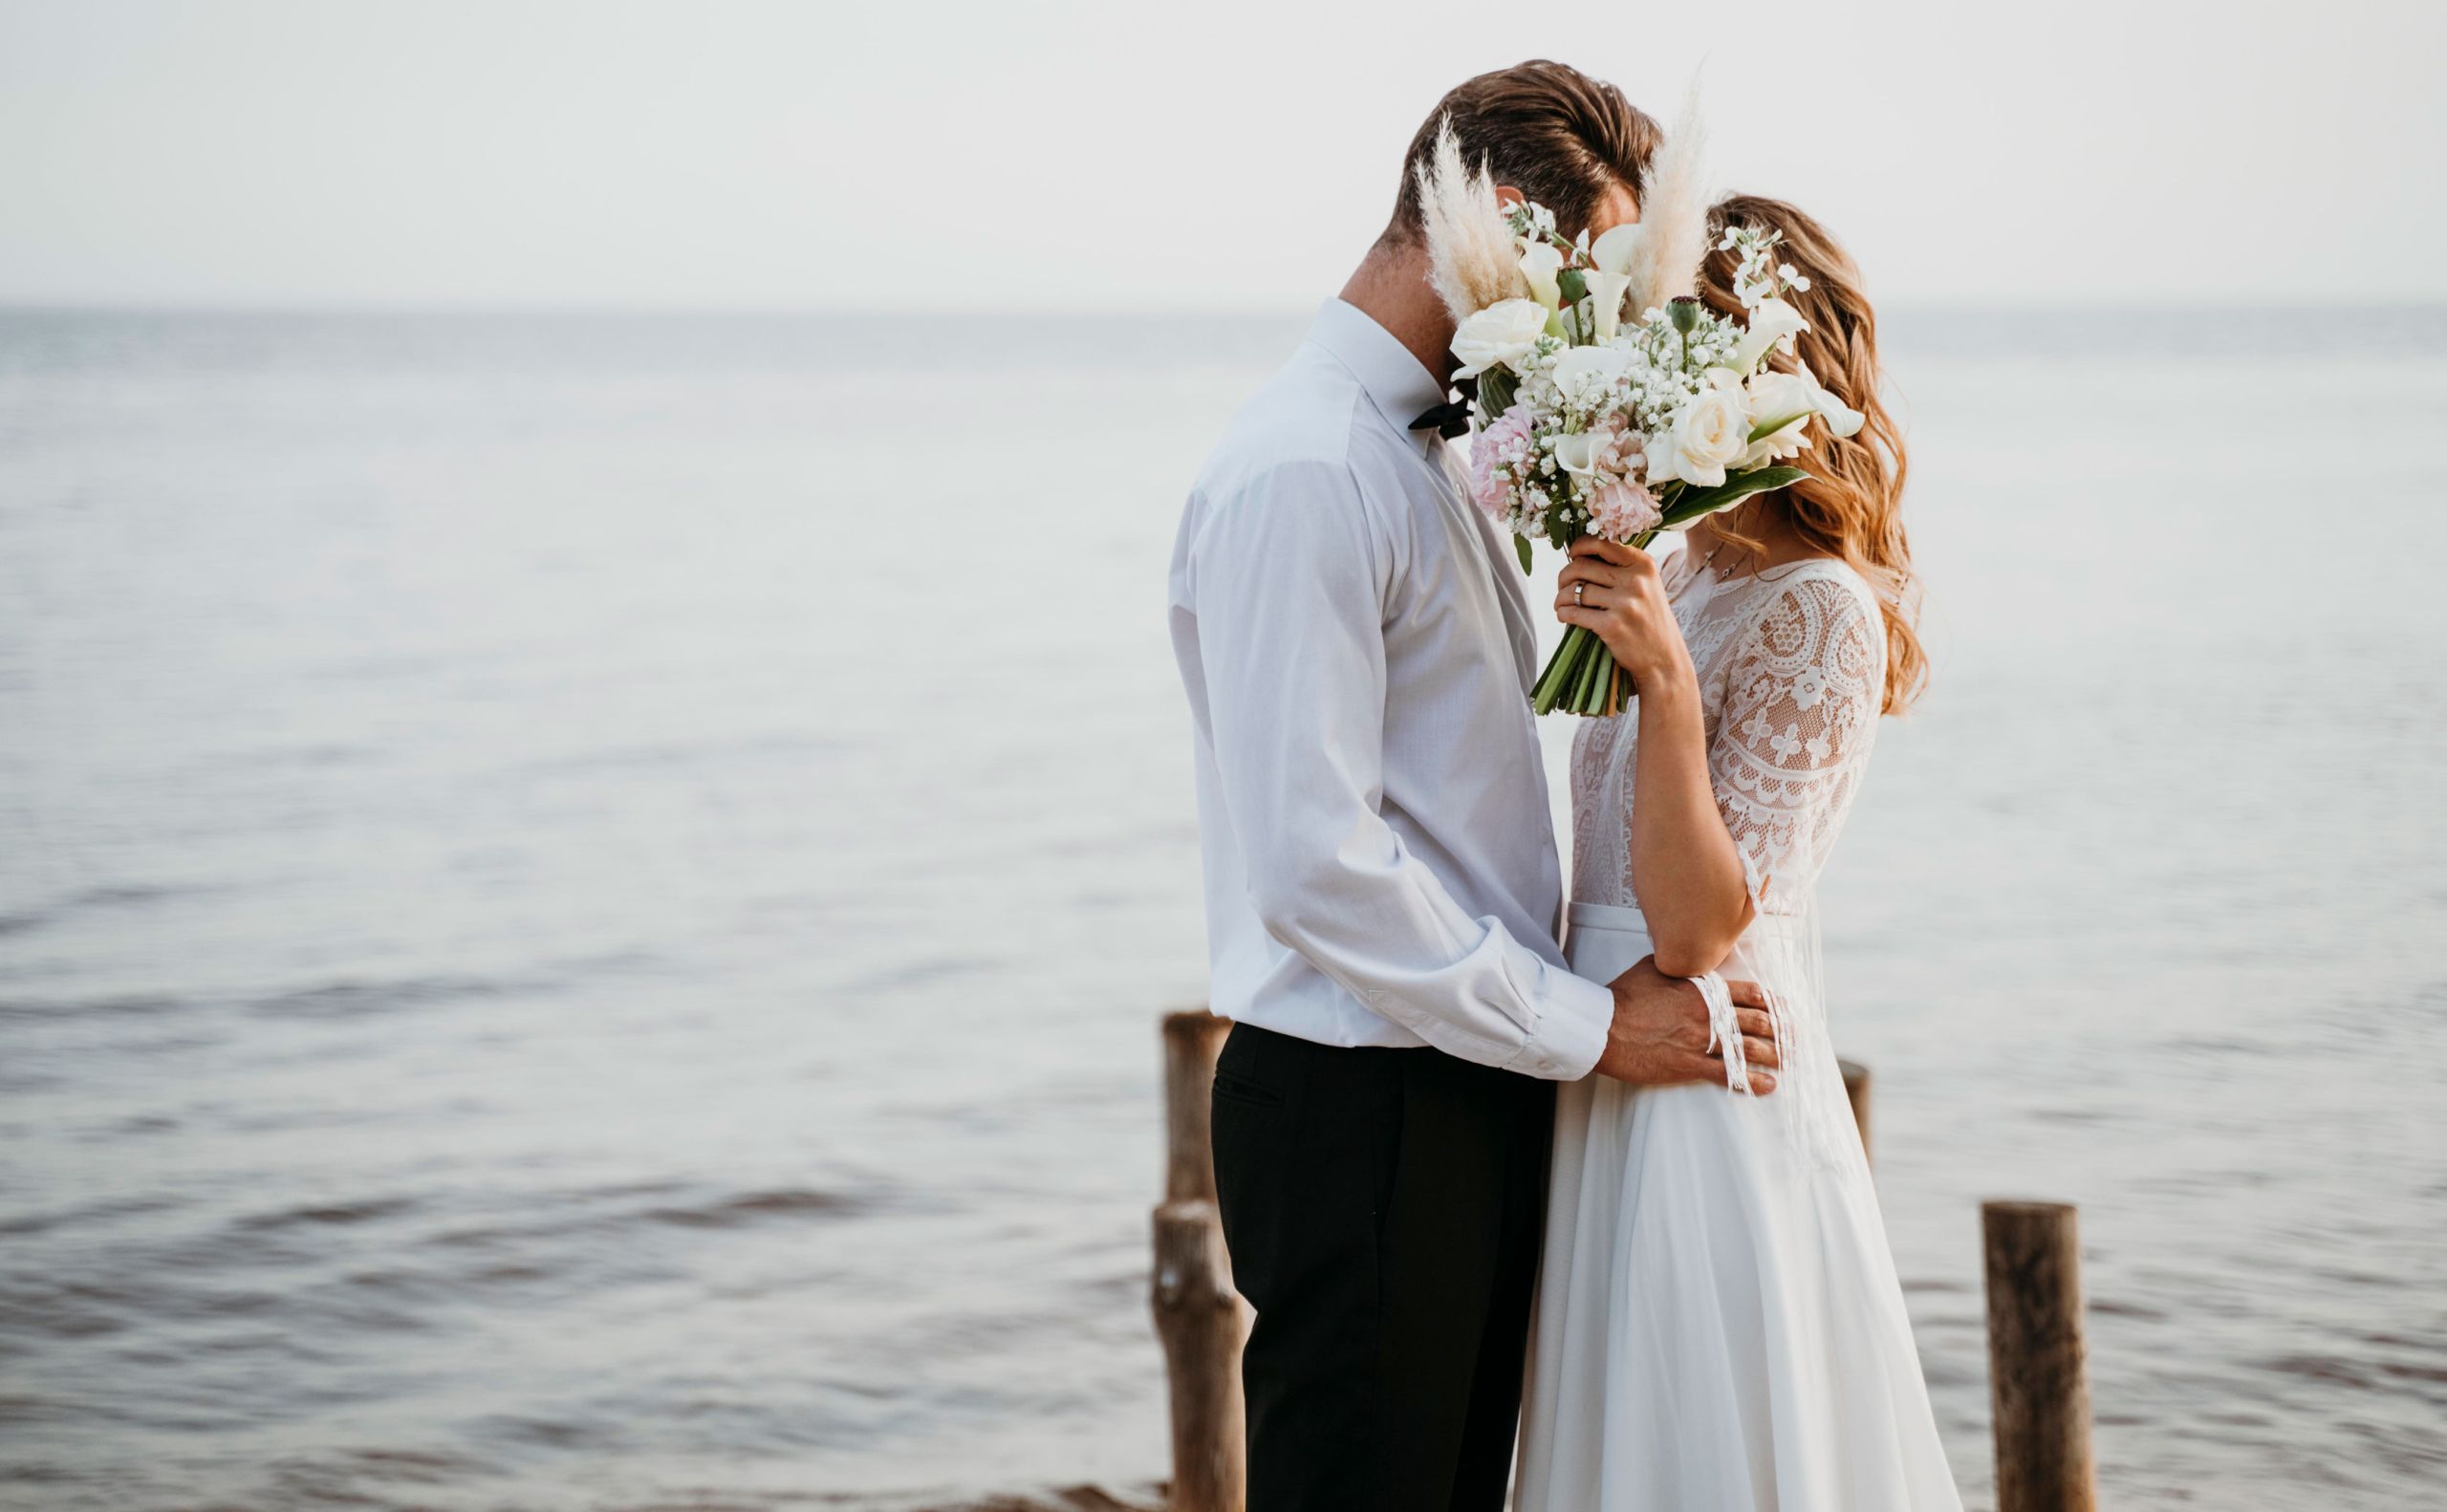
{"x": 1659, "y": 1036}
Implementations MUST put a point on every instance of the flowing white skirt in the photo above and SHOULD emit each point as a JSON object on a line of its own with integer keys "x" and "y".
{"x": 1718, "y": 1322}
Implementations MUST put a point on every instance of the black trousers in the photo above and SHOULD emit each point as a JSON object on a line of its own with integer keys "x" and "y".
{"x": 1383, "y": 1209}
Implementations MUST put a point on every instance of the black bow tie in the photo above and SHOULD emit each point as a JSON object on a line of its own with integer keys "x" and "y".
{"x": 1451, "y": 418}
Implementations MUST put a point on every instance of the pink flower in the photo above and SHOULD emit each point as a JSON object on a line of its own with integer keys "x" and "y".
{"x": 1493, "y": 452}
{"x": 1618, "y": 447}
{"x": 1621, "y": 511}
{"x": 1602, "y": 454}
{"x": 1602, "y": 460}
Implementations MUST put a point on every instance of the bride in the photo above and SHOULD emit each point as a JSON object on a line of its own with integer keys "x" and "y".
{"x": 1718, "y": 1322}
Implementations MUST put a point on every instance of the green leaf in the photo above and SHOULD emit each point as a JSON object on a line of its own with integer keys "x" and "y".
{"x": 1521, "y": 549}
{"x": 1693, "y": 503}
{"x": 1592, "y": 669}
{"x": 1768, "y": 427}
{"x": 1496, "y": 388}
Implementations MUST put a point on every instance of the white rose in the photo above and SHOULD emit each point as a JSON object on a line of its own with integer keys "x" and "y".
{"x": 1540, "y": 265}
{"x": 1770, "y": 323}
{"x": 1711, "y": 433}
{"x": 1499, "y": 336}
{"x": 1591, "y": 365}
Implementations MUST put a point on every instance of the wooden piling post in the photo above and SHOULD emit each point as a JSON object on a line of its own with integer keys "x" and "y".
{"x": 2038, "y": 1389}
{"x": 1198, "y": 1316}
{"x": 1192, "y": 1041}
{"x": 1856, "y": 1092}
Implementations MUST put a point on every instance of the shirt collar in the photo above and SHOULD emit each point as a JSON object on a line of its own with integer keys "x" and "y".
{"x": 1396, "y": 384}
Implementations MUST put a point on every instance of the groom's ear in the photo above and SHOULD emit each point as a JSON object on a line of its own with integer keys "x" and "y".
{"x": 1508, "y": 196}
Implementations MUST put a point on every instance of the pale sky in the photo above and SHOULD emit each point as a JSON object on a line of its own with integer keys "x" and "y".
{"x": 752, "y": 154}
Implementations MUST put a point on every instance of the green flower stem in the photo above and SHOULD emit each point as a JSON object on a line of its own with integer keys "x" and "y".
{"x": 1542, "y": 692}
{"x": 1562, "y": 668}
{"x": 1582, "y": 678}
{"x": 1586, "y": 697}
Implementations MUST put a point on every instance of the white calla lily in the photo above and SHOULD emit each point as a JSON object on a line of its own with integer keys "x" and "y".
{"x": 1577, "y": 453}
{"x": 1613, "y": 251}
{"x": 1599, "y": 458}
{"x": 1540, "y": 264}
{"x": 1770, "y": 322}
{"x": 1842, "y": 420}
{"x": 1607, "y": 290}
{"x": 1780, "y": 405}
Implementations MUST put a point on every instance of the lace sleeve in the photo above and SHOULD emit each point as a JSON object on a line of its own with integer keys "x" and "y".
{"x": 1801, "y": 708}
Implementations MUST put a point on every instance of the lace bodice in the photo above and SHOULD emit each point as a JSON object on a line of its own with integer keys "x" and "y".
{"x": 1791, "y": 665}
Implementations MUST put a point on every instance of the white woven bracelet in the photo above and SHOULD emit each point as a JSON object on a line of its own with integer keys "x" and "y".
{"x": 1724, "y": 1028}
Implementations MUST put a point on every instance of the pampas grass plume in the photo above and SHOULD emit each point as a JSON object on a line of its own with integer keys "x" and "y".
{"x": 1673, "y": 216}
{"x": 1473, "y": 259}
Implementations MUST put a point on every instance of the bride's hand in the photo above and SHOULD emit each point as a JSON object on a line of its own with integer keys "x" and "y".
{"x": 1622, "y": 599}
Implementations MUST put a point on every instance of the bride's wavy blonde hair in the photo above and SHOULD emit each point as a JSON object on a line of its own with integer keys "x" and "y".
{"x": 1851, "y": 505}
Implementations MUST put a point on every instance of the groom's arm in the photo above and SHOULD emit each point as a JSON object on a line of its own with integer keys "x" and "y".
{"x": 1289, "y": 578}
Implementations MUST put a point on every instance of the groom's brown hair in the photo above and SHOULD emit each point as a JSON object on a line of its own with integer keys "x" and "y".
{"x": 1560, "y": 137}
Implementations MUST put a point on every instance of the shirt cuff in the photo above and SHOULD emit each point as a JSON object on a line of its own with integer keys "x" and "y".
{"x": 1573, "y": 1015}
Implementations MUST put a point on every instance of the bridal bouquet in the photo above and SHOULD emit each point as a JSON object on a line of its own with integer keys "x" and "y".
{"x": 1591, "y": 424}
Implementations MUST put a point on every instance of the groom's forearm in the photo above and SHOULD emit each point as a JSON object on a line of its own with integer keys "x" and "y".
{"x": 1372, "y": 918}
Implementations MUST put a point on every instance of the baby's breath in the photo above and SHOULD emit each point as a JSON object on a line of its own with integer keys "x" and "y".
{"x": 1531, "y": 221}
{"x": 1760, "y": 276}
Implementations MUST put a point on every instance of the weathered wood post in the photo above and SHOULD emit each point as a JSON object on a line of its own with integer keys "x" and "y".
{"x": 1192, "y": 1041}
{"x": 2038, "y": 1389}
{"x": 1856, "y": 1092}
{"x": 1198, "y": 1316}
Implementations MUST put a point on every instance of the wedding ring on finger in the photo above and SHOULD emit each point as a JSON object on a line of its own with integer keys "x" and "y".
{"x": 1575, "y": 594}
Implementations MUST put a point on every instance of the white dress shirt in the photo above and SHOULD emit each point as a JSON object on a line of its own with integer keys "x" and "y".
{"x": 1381, "y": 865}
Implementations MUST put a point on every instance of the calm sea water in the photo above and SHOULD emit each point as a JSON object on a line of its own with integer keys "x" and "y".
{"x": 583, "y": 902}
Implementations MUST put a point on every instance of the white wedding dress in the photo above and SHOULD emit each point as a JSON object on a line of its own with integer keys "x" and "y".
{"x": 1718, "y": 1322}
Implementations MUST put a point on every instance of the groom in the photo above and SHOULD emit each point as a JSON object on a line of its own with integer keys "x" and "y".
{"x": 1382, "y": 882}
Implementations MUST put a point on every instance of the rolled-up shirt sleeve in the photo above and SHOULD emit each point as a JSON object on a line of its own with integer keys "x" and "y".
{"x": 1290, "y": 579}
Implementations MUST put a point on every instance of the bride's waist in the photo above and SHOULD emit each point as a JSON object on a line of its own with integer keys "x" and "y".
{"x": 1605, "y": 940}
{"x": 1617, "y": 920}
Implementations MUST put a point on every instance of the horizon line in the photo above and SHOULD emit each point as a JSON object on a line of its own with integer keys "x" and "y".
{"x": 496, "y": 309}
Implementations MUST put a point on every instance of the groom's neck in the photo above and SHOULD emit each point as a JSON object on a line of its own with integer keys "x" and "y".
{"x": 1389, "y": 286}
